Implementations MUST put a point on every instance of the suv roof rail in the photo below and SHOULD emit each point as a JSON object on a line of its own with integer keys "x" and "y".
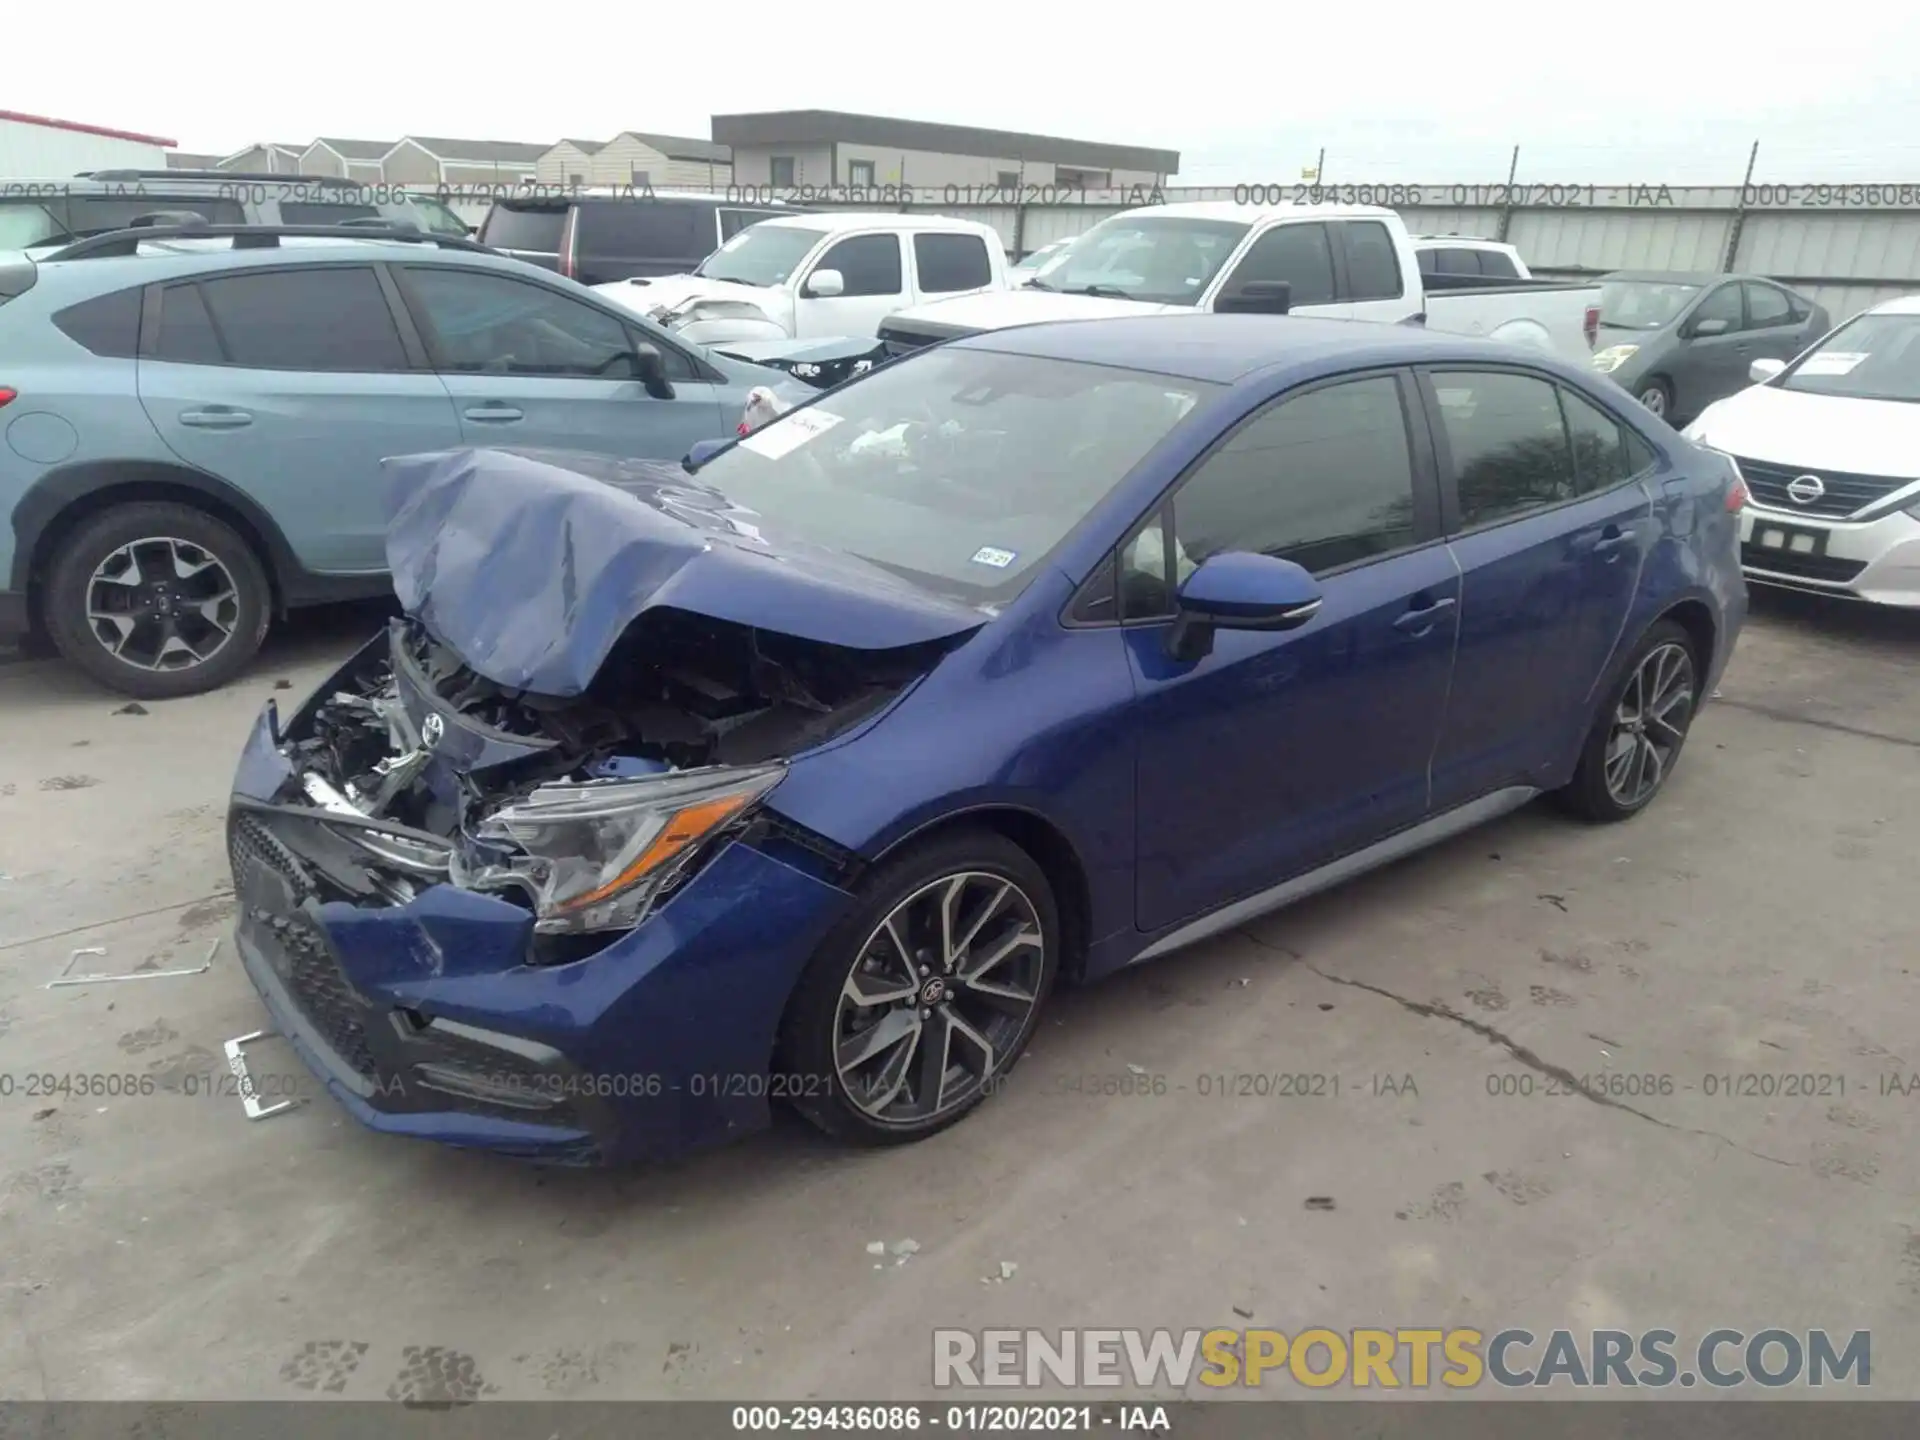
{"x": 259, "y": 237}
{"x": 214, "y": 175}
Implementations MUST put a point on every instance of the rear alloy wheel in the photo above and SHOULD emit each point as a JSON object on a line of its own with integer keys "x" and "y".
{"x": 918, "y": 1006}
{"x": 157, "y": 600}
{"x": 1637, "y": 739}
{"x": 1655, "y": 397}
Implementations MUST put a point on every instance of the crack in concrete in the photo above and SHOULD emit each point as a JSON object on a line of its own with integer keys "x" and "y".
{"x": 1531, "y": 1060}
{"x": 1795, "y": 717}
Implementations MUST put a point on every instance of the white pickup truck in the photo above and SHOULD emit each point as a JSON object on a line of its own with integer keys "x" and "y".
{"x": 810, "y": 277}
{"x": 1351, "y": 262}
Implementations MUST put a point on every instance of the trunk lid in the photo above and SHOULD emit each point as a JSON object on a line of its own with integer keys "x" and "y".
{"x": 531, "y": 565}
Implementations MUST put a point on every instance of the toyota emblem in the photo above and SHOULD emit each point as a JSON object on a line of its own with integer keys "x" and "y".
{"x": 1805, "y": 489}
{"x": 431, "y": 729}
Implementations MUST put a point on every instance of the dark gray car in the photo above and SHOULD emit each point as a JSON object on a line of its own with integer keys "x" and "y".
{"x": 1679, "y": 341}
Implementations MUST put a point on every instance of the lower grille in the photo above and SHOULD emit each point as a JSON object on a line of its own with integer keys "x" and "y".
{"x": 296, "y": 949}
{"x": 1845, "y": 494}
{"x": 1805, "y": 567}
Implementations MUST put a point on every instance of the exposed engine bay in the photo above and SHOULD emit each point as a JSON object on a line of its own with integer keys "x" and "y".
{"x": 589, "y": 808}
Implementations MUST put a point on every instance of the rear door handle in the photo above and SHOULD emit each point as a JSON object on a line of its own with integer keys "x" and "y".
{"x": 1611, "y": 539}
{"x": 216, "y": 417}
{"x": 494, "y": 414}
{"x": 1422, "y": 618}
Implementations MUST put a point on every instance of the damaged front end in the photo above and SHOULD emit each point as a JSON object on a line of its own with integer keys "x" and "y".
{"x": 588, "y": 810}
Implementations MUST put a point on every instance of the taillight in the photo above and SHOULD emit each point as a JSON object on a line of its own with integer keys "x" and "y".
{"x": 7, "y": 396}
{"x": 1591, "y": 325}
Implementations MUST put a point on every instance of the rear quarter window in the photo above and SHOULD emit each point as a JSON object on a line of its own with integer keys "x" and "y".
{"x": 107, "y": 325}
{"x": 647, "y": 229}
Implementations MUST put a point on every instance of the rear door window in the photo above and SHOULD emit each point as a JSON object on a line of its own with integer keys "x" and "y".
{"x": 1767, "y": 306}
{"x": 187, "y": 336}
{"x": 327, "y": 318}
{"x": 946, "y": 263}
{"x": 645, "y": 229}
{"x": 535, "y": 228}
{"x": 1373, "y": 265}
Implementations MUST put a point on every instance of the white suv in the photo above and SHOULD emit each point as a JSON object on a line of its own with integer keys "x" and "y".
{"x": 1829, "y": 444}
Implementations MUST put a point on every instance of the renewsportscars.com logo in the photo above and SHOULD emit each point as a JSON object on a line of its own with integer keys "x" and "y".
{"x": 1397, "y": 1359}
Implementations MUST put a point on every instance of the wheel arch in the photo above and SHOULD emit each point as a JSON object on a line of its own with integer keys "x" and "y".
{"x": 1050, "y": 848}
{"x": 1695, "y": 617}
{"x": 62, "y": 500}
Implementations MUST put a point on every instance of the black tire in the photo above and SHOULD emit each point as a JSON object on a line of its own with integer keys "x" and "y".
{"x": 811, "y": 1028}
{"x": 70, "y": 579}
{"x": 1656, "y": 395}
{"x": 1590, "y": 795}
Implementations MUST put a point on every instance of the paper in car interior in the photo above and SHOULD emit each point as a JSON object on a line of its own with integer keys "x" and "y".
{"x": 1832, "y": 363}
{"x": 790, "y": 432}
{"x": 993, "y": 555}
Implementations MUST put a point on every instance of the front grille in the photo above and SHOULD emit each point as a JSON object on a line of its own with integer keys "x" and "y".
{"x": 1805, "y": 567}
{"x": 295, "y": 948}
{"x": 1846, "y": 494}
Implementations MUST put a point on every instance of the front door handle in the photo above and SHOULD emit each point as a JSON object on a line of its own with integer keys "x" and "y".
{"x": 216, "y": 417}
{"x": 1419, "y": 619}
{"x": 1610, "y": 541}
{"x": 494, "y": 414}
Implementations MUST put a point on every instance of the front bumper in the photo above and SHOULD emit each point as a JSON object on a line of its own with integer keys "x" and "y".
{"x": 1877, "y": 561}
{"x": 427, "y": 1019}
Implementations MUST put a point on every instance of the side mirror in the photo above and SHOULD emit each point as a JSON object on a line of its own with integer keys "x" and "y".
{"x": 651, "y": 370}
{"x": 825, "y": 284}
{"x": 1257, "y": 297}
{"x": 1762, "y": 371}
{"x": 1239, "y": 590}
{"x": 702, "y": 451}
{"x": 1703, "y": 328}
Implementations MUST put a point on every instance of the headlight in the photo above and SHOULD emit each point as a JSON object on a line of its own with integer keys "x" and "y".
{"x": 596, "y": 855}
{"x": 1613, "y": 357}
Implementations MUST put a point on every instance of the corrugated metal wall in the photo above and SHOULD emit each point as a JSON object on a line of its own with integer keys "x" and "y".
{"x": 41, "y": 152}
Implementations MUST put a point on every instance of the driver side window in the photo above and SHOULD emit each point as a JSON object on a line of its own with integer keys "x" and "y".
{"x": 1722, "y": 304}
{"x": 483, "y": 324}
{"x": 869, "y": 264}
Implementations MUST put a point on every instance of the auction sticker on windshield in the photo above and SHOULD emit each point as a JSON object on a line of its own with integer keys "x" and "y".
{"x": 993, "y": 555}
{"x": 790, "y": 432}
{"x": 1833, "y": 363}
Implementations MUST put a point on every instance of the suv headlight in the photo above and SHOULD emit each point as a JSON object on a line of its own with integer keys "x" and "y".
{"x": 1613, "y": 357}
{"x": 596, "y": 855}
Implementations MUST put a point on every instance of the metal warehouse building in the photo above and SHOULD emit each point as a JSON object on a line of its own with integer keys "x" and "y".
{"x": 33, "y": 145}
{"x": 828, "y": 147}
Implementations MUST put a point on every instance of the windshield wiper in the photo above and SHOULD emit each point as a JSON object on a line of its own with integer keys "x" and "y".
{"x": 1101, "y": 292}
{"x": 1033, "y": 285}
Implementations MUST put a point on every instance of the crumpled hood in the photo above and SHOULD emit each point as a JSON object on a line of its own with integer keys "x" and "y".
{"x": 1817, "y": 432}
{"x": 997, "y": 309}
{"x": 648, "y": 294}
{"x": 532, "y": 563}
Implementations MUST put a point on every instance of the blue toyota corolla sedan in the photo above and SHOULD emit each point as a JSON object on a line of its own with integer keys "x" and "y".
{"x": 804, "y": 771}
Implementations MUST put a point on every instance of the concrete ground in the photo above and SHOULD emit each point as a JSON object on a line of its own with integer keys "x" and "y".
{"x": 1759, "y": 921}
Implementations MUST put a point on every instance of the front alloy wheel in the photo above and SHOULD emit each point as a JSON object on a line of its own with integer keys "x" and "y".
{"x": 940, "y": 991}
{"x": 922, "y": 999}
{"x": 1654, "y": 397}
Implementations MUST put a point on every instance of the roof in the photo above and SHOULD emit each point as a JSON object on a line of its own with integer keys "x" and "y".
{"x": 683, "y": 147}
{"x": 293, "y": 150}
{"x": 824, "y": 127}
{"x": 1901, "y": 305}
{"x": 590, "y": 147}
{"x": 356, "y": 149}
{"x": 17, "y": 117}
{"x": 1670, "y": 277}
{"x": 192, "y": 160}
{"x": 835, "y": 220}
{"x": 478, "y": 152}
{"x": 1250, "y": 214}
{"x": 1226, "y": 348}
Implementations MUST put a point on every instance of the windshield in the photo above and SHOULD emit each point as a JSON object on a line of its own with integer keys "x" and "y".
{"x": 1643, "y": 304}
{"x": 958, "y": 469}
{"x": 1163, "y": 259}
{"x": 1872, "y": 357}
{"x": 762, "y": 254}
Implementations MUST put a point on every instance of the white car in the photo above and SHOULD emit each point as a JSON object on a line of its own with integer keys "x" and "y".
{"x": 811, "y": 277}
{"x": 1829, "y": 445}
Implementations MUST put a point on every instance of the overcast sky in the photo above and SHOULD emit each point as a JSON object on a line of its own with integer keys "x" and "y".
{"x": 1243, "y": 92}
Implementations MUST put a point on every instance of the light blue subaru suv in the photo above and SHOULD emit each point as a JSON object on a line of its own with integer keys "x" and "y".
{"x": 192, "y": 421}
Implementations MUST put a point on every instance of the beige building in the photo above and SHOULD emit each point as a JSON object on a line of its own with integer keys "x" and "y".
{"x": 267, "y": 157}
{"x": 636, "y": 157}
{"x": 347, "y": 159}
{"x": 435, "y": 162}
{"x": 831, "y": 148}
